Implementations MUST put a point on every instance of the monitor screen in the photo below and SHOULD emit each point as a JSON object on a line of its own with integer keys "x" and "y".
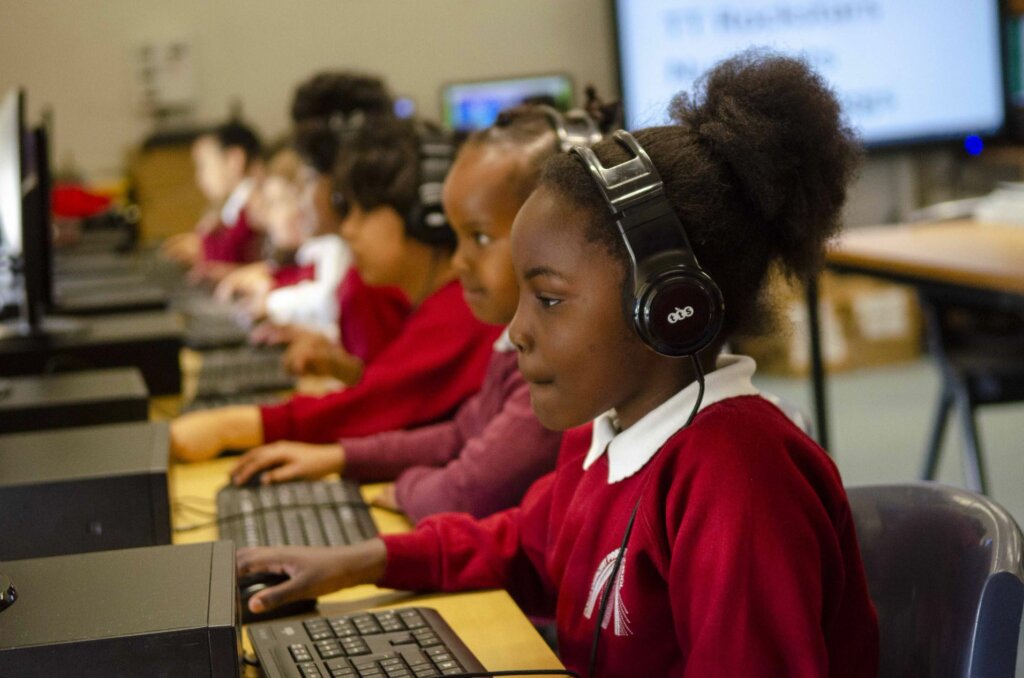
{"x": 905, "y": 71}
{"x": 475, "y": 105}
{"x": 10, "y": 172}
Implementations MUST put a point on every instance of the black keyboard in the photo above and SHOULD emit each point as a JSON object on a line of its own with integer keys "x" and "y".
{"x": 249, "y": 369}
{"x": 314, "y": 513}
{"x": 400, "y": 643}
{"x": 226, "y": 400}
{"x": 210, "y": 324}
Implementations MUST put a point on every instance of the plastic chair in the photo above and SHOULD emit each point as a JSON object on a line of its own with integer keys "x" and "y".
{"x": 980, "y": 353}
{"x": 944, "y": 568}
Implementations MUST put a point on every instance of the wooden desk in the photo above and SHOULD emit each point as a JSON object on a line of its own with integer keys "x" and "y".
{"x": 964, "y": 261}
{"x": 489, "y": 622}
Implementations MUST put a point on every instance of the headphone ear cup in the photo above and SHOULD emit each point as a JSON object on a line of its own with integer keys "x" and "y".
{"x": 679, "y": 311}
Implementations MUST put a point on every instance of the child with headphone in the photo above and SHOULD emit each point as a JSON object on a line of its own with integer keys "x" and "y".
{"x": 390, "y": 176}
{"x": 690, "y": 528}
{"x": 486, "y": 457}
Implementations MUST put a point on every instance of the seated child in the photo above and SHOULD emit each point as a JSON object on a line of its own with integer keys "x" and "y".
{"x": 690, "y": 528}
{"x": 227, "y": 166}
{"x": 296, "y": 285}
{"x": 488, "y": 455}
{"x": 398, "y": 236}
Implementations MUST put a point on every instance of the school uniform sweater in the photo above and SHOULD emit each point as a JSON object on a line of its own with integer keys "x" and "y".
{"x": 480, "y": 462}
{"x": 369, "y": 317}
{"x": 233, "y": 240}
{"x": 743, "y": 560}
{"x": 421, "y": 377}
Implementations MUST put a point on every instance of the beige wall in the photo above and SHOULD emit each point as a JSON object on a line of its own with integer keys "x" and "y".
{"x": 76, "y": 55}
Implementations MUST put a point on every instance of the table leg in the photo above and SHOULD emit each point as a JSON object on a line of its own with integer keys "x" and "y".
{"x": 817, "y": 365}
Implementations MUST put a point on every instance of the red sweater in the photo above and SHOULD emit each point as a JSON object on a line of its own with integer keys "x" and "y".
{"x": 480, "y": 462}
{"x": 235, "y": 243}
{"x": 743, "y": 560}
{"x": 291, "y": 274}
{"x": 421, "y": 377}
{"x": 369, "y": 317}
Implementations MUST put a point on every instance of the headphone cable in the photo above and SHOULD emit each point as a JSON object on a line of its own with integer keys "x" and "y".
{"x": 606, "y": 594}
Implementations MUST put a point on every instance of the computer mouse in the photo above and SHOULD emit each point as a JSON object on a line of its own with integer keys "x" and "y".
{"x": 254, "y": 582}
{"x": 7, "y": 592}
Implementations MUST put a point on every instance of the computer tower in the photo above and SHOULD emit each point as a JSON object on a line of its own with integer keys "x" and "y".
{"x": 150, "y": 341}
{"x": 167, "y": 611}
{"x": 72, "y": 399}
{"x": 84, "y": 489}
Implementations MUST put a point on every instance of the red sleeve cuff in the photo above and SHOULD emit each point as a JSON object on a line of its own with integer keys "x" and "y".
{"x": 277, "y": 422}
{"x": 408, "y": 561}
{"x": 359, "y": 457}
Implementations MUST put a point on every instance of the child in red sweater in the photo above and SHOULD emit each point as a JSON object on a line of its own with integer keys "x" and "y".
{"x": 689, "y": 529}
{"x": 227, "y": 161}
{"x": 484, "y": 459}
{"x": 390, "y": 177}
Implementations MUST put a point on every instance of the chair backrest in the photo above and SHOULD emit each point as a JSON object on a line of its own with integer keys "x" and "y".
{"x": 944, "y": 567}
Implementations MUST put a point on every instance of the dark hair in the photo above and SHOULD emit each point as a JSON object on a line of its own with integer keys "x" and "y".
{"x": 329, "y": 103}
{"x": 340, "y": 92}
{"x": 235, "y": 134}
{"x": 756, "y": 167}
{"x": 379, "y": 166}
{"x": 525, "y": 128}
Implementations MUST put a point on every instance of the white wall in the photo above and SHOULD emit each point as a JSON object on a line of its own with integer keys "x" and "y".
{"x": 76, "y": 55}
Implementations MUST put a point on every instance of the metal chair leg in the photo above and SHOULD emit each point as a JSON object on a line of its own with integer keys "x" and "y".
{"x": 970, "y": 456}
{"x": 934, "y": 450}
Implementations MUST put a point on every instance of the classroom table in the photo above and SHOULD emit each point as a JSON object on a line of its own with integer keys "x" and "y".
{"x": 956, "y": 261}
{"x": 489, "y": 622}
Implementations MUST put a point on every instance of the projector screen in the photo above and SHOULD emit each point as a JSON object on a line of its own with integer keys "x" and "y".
{"x": 906, "y": 71}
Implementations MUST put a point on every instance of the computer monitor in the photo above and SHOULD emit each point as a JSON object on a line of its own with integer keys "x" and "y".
{"x": 906, "y": 72}
{"x": 474, "y": 105}
{"x": 25, "y": 205}
{"x": 11, "y": 114}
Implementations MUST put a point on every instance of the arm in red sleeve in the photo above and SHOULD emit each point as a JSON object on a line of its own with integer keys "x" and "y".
{"x": 455, "y": 552}
{"x": 491, "y": 472}
{"x": 422, "y": 376}
{"x": 386, "y": 455}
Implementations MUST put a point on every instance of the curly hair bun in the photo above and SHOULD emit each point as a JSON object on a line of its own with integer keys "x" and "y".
{"x": 778, "y": 128}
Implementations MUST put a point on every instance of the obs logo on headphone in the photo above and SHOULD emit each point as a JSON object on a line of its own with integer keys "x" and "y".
{"x": 680, "y": 314}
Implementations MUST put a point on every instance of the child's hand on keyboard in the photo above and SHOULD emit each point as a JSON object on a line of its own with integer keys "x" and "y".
{"x": 287, "y": 460}
{"x": 312, "y": 571}
{"x": 316, "y": 355}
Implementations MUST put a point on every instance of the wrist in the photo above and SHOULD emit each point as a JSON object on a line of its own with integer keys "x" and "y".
{"x": 242, "y": 427}
{"x": 366, "y": 561}
{"x": 339, "y": 460}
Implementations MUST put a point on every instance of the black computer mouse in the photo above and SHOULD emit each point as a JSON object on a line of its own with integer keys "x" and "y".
{"x": 254, "y": 582}
{"x": 7, "y": 593}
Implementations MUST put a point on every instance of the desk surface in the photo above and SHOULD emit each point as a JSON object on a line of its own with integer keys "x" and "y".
{"x": 985, "y": 256}
{"x": 489, "y": 622}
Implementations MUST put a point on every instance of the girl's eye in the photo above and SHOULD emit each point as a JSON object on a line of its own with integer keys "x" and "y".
{"x": 547, "y": 302}
{"x": 481, "y": 239}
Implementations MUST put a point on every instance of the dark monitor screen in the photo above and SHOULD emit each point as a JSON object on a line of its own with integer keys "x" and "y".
{"x": 11, "y": 112}
{"x": 905, "y": 71}
{"x": 475, "y": 105}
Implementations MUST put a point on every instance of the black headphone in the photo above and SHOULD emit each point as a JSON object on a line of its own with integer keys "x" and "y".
{"x": 573, "y": 128}
{"x": 426, "y": 220}
{"x": 677, "y": 307}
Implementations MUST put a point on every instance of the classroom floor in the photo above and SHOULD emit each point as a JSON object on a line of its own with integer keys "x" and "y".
{"x": 880, "y": 420}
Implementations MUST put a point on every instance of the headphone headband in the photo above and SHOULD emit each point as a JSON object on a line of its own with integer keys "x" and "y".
{"x": 677, "y": 307}
{"x": 572, "y": 128}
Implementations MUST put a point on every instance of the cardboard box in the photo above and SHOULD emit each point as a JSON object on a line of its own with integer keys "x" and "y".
{"x": 864, "y": 323}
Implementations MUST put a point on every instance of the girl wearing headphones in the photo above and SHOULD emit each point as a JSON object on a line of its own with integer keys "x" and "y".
{"x": 398, "y": 236}
{"x": 690, "y": 528}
